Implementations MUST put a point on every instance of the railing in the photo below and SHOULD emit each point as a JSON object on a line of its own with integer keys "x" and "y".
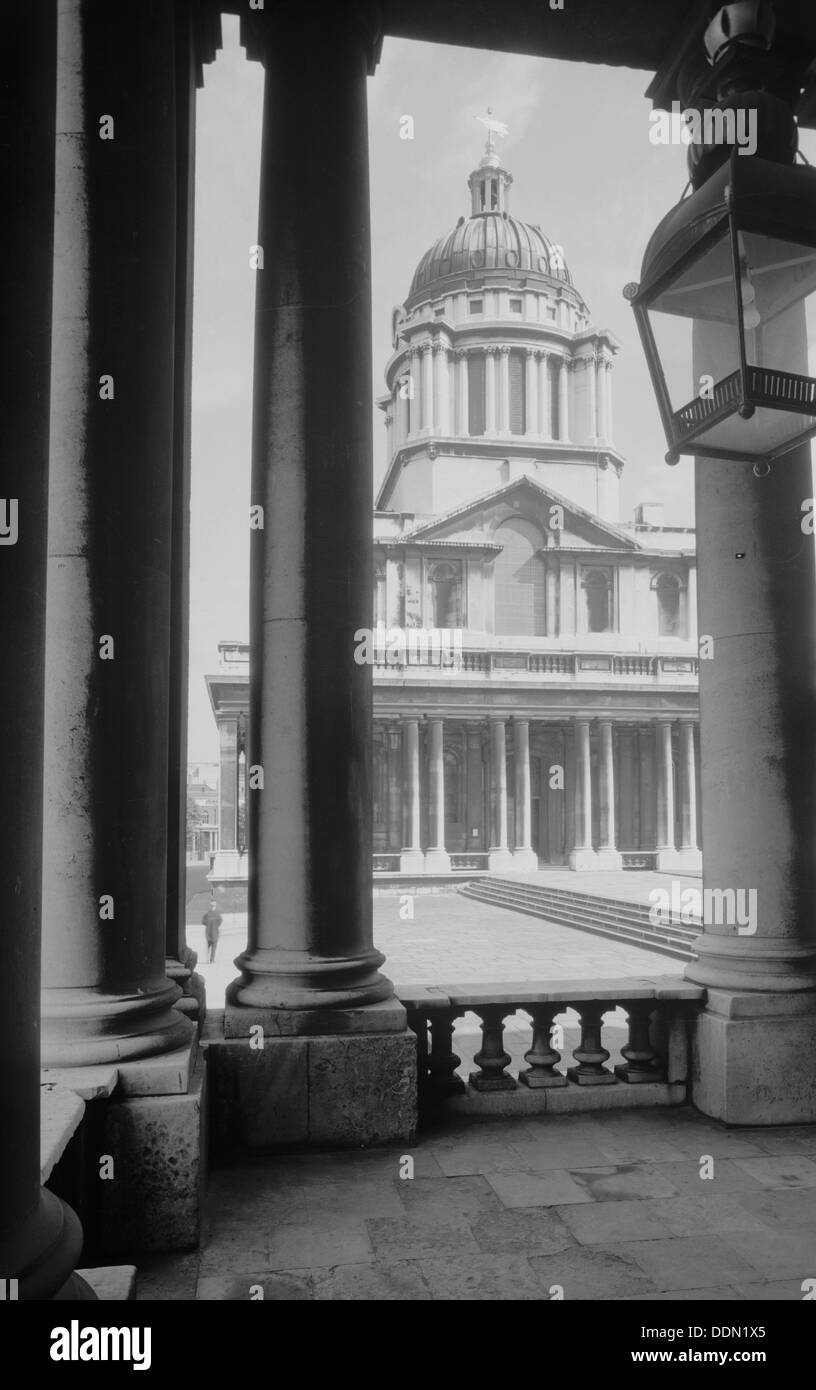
{"x": 386, "y": 863}
{"x": 657, "y": 1050}
{"x": 570, "y": 664}
{"x": 638, "y": 859}
{"x": 475, "y": 861}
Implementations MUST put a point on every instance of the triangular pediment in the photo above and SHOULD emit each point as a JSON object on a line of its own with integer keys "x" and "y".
{"x": 478, "y": 519}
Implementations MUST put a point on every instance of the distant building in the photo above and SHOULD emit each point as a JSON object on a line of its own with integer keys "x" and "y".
{"x": 557, "y": 723}
{"x": 202, "y": 810}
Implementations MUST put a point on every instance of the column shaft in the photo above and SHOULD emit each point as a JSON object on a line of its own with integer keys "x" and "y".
{"x": 40, "y": 1238}
{"x": 464, "y": 407}
{"x": 490, "y": 391}
{"x": 607, "y": 848}
{"x": 442, "y": 390}
{"x": 310, "y": 910}
{"x": 499, "y": 855}
{"x": 563, "y": 401}
{"x": 412, "y": 859}
{"x": 531, "y": 404}
{"x": 582, "y": 855}
{"x": 504, "y": 390}
{"x": 524, "y": 856}
{"x": 428, "y": 402}
{"x": 665, "y": 787}
{"x": 106, "y": 997}
{"x": 544, "y": 407}
{"x": 437, "y": 859}
{"x": 688, "y": 787}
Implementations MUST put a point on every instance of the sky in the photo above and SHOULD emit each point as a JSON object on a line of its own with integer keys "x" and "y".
{"x": 583, "y": 167}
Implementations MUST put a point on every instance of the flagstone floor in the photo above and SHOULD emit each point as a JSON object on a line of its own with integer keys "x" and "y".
{"x": 613, "y": 1206}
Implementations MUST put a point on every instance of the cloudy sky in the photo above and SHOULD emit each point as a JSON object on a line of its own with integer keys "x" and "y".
{"x": 583, "y": 167}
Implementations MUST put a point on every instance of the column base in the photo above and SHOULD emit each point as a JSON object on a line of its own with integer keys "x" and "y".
{"x": 437, "y": 861}
{"x": 525, "y": 861}
{"x": 752, "y": 1058}
{"x": 86, "y": 1027}
{"x": 229, "y": 866}
{"x": 608, "y": 859}
{"x": 412, "y": 861}
{"x": 290, "y": 981}
{"x": 344, "y": 1091}
{"x": 679, "y": 861}
{"x": 43, "y": 1253}
{"x": 583, "y": 860}
{"x": 160, "y": 1145}
{"x": 500, "y": 861}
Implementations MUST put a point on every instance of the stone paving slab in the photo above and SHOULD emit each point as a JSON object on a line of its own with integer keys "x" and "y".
{"x": 504, "y": 1211}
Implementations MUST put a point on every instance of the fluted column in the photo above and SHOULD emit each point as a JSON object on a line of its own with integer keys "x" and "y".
{"x": 610, "y": 428}
{"x": 106, "y": 997}
{"x": 428, "y": 403}
{"x": 415, "y": 402}
{"x": 490, "y": 390}
{"x": 504, "y": 390}
{"x": 394, "y": 814}
{"x": 531, "y": 404}
{"x": 524, "y": 856}
{"x": 412, "y": 860}
{"x": 688, "y": 855}
{"x": 601, "y": 381}
{"x": 563, "y": 401}
{"x": 499, "y": 856}
{"x": 544, "y": 405}
{"x": 463, "y": 398}
{"x": 442, "y": 389}
{"x": 40, "y": 1237}
{"x": 607, "y": 855}
{"x": 437, "y": 859}
{"x": 582, "y": 855}
{"x": 310, "y": 954}
{"x": 666, "y": 849}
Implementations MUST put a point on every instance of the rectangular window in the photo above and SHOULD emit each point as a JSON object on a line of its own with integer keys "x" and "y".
{"x": 515, "y": 306}
{"x": 518, "y": 404}
{"x": 439, "y": 311}
{"x": 476, "y": 393}
{"x": 476, "y": 306}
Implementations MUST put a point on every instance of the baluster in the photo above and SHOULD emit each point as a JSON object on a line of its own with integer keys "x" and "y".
{"x": 642, "y": 1062}
{"x": 542, "y": 1055}
{"x": 590, "y": 1054}
{"x": 418, "y": 1024}
{"x": 443, "y": 1061}
{"x": 491, "y": 1058}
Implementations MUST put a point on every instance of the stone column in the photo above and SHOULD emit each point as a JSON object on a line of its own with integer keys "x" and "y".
{"x": 531, "y": 404}
{"x": 415, "y": 402}
{"x": 475, "y": 800}
{"x": 490, "y": 390}
{"x": 601, "y": 380}
{"x": 504, "y": 390}
{"x": 756, "y": 1039}
{"x": 499, "y": 856}
{"x": 553, "y": 579}
{"x": 607, "y": 855}
{"x": 402, "y": 403}
{"x": 228, "y": 864}
{"x": 544, "y": 406}
{"x": 106, "y": 997}
{"x": 464, "y": 407}
{"x": 40, "y": 1237}
{"x": 688, "y": 853}
{"x": 582, "y": 856}
{"x": 388, "y": 421}
{"x": 666, "y": 848}
{"x": 437, "y": 859}
{"x": 563, "y": 401}
{"x": 524, "y": 856}
{"x": 592, "y": 399}
{"x": 310, "y": 957}
{"x": 442, "y": 389}
{"x": 412, "y": 860}
{"x": 428, "y": 403}
{"x": 394, "y": 821}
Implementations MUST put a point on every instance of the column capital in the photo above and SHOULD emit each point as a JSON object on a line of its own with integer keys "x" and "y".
{"x": 426, "y": 347}
{"x": 261, "y": 29}
{"x": 461, "y": 353}
{"x": 503, "y": 350}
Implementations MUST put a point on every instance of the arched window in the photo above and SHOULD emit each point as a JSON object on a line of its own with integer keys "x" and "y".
{"x": 597, "y": 601}
{"x": 379, "y": 594}
{"x": 671, "y": 621}
{"x": 519, "y": 583}
{"x": 446, "y": 595}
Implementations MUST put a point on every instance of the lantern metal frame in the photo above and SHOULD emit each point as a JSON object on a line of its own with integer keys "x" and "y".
{"x": 751, "y": 195}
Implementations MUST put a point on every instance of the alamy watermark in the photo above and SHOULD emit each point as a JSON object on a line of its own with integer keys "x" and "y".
{"x": 409, "y": 646}
{"x": 711, "y": 907}
{"x": 720, "y": 126}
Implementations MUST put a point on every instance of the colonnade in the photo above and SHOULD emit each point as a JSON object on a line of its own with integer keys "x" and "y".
{"x": 431, "y": 394}
{"x": 655, "y": 764}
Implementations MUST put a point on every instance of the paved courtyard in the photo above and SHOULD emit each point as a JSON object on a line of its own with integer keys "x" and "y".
{"x": 608, "y": 1206}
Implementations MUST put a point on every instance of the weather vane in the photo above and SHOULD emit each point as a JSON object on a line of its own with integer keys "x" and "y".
{"x": 493, "y": 129}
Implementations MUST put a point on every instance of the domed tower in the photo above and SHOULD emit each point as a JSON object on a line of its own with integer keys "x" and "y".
{"x": 497, "y": 371}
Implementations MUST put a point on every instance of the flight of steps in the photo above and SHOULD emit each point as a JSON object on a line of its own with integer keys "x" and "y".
{"x": 610, "y": 917}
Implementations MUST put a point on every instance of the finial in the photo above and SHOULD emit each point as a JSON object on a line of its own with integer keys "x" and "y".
{"x": 493, "y": 129}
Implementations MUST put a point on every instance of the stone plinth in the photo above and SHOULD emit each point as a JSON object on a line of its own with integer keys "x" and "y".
{"x": 345, "y": 1090}
{"x": 752, "y": 1058}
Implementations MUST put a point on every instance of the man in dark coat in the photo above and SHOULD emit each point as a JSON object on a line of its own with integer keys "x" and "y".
{"x": 212, "y": 920}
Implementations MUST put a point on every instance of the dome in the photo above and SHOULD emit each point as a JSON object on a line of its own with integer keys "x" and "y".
{"x": 490, "y": 239}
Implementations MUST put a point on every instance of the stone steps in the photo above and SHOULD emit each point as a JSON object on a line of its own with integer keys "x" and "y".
{"x": 610, "y": 917}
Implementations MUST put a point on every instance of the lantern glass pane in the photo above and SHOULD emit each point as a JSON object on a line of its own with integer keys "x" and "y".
{"x": 702, "y": 292}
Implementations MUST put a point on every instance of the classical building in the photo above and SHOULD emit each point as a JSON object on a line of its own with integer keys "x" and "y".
{"x": 545, "y": 711}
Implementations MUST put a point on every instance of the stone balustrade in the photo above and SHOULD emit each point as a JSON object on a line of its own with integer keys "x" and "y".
{"x": 503, "y": 662}
{"x": 653, "y": 1070}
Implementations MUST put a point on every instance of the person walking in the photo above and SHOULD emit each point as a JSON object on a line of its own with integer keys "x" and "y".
{"x": 212, "y": 920}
